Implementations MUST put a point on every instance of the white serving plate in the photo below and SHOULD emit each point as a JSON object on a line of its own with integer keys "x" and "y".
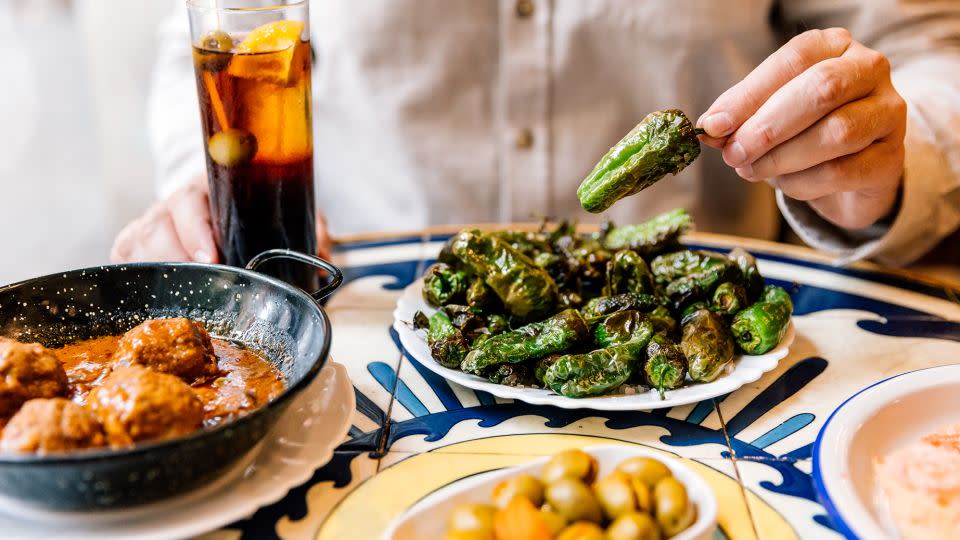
{"x": 746, "y": 369}
{"x": 427, "y": 518}
{"x": 303, "y": 440}
{"x": 888, "y": 415}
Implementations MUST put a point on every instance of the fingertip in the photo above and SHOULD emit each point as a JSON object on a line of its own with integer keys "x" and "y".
{"x": 202, "y": 256}
{"x": 717, "y": 125}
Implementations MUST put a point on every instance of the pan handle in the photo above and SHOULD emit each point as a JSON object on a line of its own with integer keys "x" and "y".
{"x": 271, "y": 254}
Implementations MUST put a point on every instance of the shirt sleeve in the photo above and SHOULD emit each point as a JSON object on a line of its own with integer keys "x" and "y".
{"x": 922, "y": 41}
{"x": 173, "y": 117}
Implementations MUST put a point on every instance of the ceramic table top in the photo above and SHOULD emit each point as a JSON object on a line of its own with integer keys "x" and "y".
{"x": 413, "y": 432}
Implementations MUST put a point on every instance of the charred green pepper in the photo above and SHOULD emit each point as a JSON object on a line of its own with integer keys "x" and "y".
{"x": 652, "y": 236}
{"x": 478, "y": 295}
{"x": 627, "y": 272}
{"x": 662, "y": 143}
{"x": 527, "y": 291}
{"x": 752, "y": 280}
{"x": 760, "y": 327}
{"x": 542, "y": 365}
{"x": 443, "y": 285}
{"x": 446, "y": 341}
{"x": 596, "y": 372}
{"x": 529, "y": 243}
{"x": 672, "y": 266}
{"x": 556, "y": 334}
{"x": 728, "y": 298}
{"x": 605, "y": 305}
{"x": 663, "y": 321}
{"x": 621, "y": 327}
{"x": 665, "y": 367}
{"x": 707, "y": 344}
{"x": 511, "y": 375}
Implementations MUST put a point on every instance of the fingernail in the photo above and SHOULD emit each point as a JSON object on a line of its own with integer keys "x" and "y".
{"x": 718, "y": 124}
{"x": 202, "y": 255}
{"x": 735, "y": 154}
{"x": 746, "y": 172}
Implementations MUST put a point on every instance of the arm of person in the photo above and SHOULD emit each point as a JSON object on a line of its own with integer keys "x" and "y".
{"x": 856, "y": 135}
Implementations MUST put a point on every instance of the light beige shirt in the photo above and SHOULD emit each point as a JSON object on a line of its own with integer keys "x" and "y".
{"x": 462, "y": 111}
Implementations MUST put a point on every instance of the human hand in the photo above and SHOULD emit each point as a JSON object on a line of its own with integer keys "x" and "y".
{"x": 179, "y": 228}
{"x": 820, "y": 120}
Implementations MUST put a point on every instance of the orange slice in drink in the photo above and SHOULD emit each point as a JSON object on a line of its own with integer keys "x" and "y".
{"x": 270, "y": 53}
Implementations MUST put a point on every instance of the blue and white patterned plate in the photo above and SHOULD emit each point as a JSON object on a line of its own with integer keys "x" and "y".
{"x": 745, "y": 369}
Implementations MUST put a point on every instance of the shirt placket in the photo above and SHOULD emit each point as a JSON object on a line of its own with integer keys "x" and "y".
{"x": 524, "y": 109}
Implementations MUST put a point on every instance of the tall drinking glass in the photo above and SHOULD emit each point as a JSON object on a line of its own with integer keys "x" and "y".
{"x": 252, "y": 64}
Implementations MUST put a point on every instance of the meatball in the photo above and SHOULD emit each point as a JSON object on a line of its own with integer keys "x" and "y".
{"x": 51, "y": 425}
{"x": 27, "y": 371}
{"x": 179, "y": 347}
{"x": 137, "y": 404}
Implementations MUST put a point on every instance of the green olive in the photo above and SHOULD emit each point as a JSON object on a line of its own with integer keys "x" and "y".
{"x": 633, "y": 526}
{"x": 582, "y": 530}
{"x": 471, "y": 517}
{"x": 672, "y": 507}
{"x": 615, "y": 495}
{"x": 523, "y": 485}
{"x": 649, "y": 470}
{"x": 641, "y": 491}
{"x": 232, "y": 147}
{"x": 553, "y": 521}
{"x": 468, "y": 535}
{"x": 571, "y": 464}
{"x": 216, "y": 40}
{"x": 573, "y": 500}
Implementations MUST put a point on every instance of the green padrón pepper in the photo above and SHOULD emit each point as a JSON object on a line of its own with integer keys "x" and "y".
{"x": 627, "y": 272}
{"x": 622, "y": 327}
{"x": 478, "y": 294}
{"x": 662, "y": 143}
{"x": 596, "y": 372}
{"x": 672, "y": 266}
{"x": 663, "y": 321}
{"x": 605, "y": 305}
{"x": 729, "y": 298}
{"x": 443, "y": 285}
{"x": 526, "y": 290}
{"x": 446, "y": 341}
{"x": 666, "y": 366}
{"x": 760, "y": 327}
{"x": 752, "y": 280}
{"x": 556, "y": 334}
{"x": 654, "y": 235}
{"x": 707, "y": 344}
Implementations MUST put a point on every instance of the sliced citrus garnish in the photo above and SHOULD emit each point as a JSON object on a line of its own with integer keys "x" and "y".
{"x": 269, "y": 53}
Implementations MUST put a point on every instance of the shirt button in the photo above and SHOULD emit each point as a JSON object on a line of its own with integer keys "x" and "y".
{"x": 524, "y": 139}
{"x": 524, "y": 8}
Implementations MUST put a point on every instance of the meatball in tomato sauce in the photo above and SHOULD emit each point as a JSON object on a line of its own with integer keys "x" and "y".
{"x": 180, "y": 347}
{"x": 137, "y": 404}
{"x": 28, "y": 371}
{"x": 52, "y": 425}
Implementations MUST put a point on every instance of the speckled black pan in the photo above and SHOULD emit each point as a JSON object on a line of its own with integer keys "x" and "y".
{"x": 268, "y": 315}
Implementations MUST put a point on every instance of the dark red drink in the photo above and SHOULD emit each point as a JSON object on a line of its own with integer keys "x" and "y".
{"x": 255, "y": 107}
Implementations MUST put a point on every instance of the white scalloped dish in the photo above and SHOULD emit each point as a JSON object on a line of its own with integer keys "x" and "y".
{"x": 745, "y": 369}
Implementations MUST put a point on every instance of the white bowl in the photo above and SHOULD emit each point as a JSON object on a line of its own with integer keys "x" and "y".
{"x": 879, "y": 419}
{"x": 428, "y": 518}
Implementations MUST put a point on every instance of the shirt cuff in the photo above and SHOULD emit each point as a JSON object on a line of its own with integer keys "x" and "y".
{"x": 917, "y": 227}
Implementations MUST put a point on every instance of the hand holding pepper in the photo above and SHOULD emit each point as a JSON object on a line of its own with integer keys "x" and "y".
{"x": 820, "y": 120}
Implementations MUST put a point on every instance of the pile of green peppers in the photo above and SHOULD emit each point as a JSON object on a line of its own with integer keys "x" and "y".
{"x": 585, "y": 315}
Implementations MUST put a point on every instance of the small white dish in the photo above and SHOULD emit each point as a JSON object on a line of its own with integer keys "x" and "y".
{"x": 746, "y": 369}
{"x": 427, "y": 518}
{"x": 879, "y": 419}
{"x": 302, "y": 441}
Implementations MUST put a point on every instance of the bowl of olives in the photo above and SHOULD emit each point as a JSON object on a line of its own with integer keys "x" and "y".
{"x": 611, "y": 492}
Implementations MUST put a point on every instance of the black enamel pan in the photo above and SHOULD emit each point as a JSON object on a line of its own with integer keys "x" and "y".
{"x": 284, "y": 323}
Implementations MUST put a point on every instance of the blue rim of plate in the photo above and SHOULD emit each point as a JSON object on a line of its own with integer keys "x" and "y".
{"x": 836, "y": 518}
